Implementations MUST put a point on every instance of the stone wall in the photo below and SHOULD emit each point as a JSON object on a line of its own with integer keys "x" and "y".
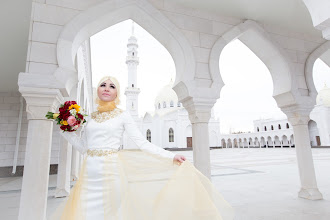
{"x": 9, "y": 115}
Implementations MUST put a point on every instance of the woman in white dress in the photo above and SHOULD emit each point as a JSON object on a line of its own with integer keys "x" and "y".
{"x": 132, "y": 184}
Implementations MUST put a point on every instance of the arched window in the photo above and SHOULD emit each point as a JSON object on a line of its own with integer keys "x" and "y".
{"x": 171, "y": 104}
{"x": 179, "y": 104}
{"x": 287, "y": 125}
{"x": 158, "y": 105}
{"x": 164, "y": 104}
{"x": 265, "y": 128}
{"x": 171, "y": 135}
{"x": 133, "y": 54}
{"x": 258, "y": 129}
{"x": 149, "y": 135}
{"x": 279, "y": 127}
{"x": 272, "y": 127}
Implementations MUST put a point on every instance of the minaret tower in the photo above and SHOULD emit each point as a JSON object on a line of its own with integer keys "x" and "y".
{"x": 132, "y": 61}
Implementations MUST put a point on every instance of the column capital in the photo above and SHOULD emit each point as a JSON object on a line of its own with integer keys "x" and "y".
{"x": 40, "y": 100}
{"x": 199, "y": 109}
{"x": 297, "y": 114}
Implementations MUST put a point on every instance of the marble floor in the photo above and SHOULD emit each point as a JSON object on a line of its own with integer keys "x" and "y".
{"x": 261, "y": 184}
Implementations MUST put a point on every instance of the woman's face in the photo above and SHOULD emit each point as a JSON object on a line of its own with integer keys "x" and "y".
{"x": 107, "y": 91}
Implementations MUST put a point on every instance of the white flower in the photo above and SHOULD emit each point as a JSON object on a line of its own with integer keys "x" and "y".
{"x": 73, "y": 112}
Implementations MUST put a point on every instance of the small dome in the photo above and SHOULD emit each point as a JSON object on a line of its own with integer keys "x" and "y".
{"x": 167, "y": 95}
{"x": 323, "y": 98}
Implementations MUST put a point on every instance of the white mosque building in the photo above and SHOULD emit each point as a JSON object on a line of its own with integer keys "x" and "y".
{"x": 168, "y": 125}
{"x": 271, "y": 133}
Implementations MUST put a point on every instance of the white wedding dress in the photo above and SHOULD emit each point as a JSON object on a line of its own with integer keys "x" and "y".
{"x": 135, "y": 185}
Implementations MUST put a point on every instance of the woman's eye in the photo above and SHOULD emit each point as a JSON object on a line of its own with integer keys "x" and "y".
{"x": 112, "y": 87}
{"x": 102, "y": 85}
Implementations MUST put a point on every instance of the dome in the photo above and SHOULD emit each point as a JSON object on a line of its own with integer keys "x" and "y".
{"x": 323, "y": 98}
{"x": 167, "y": 95}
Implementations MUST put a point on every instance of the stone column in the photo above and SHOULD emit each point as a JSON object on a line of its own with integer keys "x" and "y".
{"x": 199, "y": 115}
{"x": 33, "y": 201}
{"x": 64, "y": 168}
{"x": 299, "y": 121}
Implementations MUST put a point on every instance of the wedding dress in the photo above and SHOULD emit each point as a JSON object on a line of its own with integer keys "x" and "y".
{"x": 140, "y": 184}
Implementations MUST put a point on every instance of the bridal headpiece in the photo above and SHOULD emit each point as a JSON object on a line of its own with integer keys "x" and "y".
{"x": 108, "y": 106}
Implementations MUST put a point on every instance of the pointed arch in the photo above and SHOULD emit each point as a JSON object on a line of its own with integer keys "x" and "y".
{"x": 111, "y": 12}
{"x": 268, "y": 51}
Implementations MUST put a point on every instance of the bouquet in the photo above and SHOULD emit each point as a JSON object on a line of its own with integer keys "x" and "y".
{"x": 69, "y": 117}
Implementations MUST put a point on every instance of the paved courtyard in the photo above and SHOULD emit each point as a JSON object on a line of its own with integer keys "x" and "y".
{"x": 259, "y": 183}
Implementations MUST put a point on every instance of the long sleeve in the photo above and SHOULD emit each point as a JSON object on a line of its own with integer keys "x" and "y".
{"x": 135, "y": 134}
{"x": 79, "y": 143}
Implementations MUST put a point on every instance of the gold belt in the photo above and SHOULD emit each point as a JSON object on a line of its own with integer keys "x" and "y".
{"x": 100, "y": 153}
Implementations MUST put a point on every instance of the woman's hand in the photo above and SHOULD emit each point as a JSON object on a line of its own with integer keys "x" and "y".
{"x": 179, "y": 158}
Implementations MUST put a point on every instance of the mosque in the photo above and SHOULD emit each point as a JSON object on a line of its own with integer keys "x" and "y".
{"x": 45, "y": 60}
{"x": 271, "y": 133}
{"x": 168, "y": 125}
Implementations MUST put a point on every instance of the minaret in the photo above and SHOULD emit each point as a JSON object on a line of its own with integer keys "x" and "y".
{"x": 132, "y": 91}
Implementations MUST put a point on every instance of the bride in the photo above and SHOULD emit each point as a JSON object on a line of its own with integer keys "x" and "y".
{"x": 145, "y": 184}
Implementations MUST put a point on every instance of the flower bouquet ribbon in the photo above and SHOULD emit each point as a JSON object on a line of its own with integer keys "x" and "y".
{"x": 69, "y": 117}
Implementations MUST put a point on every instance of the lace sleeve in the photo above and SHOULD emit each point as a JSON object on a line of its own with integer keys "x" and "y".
{"x": 135, "y": 134}
{"x": 78, "y": 142}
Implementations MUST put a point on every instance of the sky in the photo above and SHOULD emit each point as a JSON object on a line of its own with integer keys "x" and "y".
{"x": 246, "y": 96}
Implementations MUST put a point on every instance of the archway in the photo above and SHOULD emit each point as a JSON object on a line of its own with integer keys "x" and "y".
{"x": 86, "y": 24}
{"x": 314, "y": 133}
{"x": 285, "y": 141}
{"x": 223, "y": 143}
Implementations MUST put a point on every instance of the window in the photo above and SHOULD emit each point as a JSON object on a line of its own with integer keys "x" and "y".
{"x": 171, "y": 135}
{"x": 158, "y": 105}
{"x": 265, "y": 128}
{"x": 258, "y": 129}
{"x": 287, "y": 125}
{"x": 179, "y": 104}
{"x": 272, "y": 127}
{"x": 149, "y": 135}
{"x": 171, "y": 104}
{"x": 279, "y": 127}
{"x": 164, "y": 104}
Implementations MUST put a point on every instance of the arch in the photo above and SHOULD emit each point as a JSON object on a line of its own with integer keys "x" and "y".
{"x": 106, "y": 14}
{"x": 262, "y": 142}
{"x": 250, "y": 142}
{"x": 322, "y": 50}
{"x": 223, "y": 143}
{"x": 171, "y": 135}
{"x": 148, "y": 135}
{"x": 268, "y": 51}
{"x": 314, "y": 134}
{"x": 285, "y": 141}
{"x": 277, "y": 142}
{"x": 229, "y": 143}
{"x": 270, "y": 141}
